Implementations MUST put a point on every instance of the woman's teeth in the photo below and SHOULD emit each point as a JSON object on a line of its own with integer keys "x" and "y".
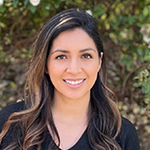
{"x": 74, "y": 82}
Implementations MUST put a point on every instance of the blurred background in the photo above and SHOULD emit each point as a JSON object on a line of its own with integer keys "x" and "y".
{"x": 124, "y": 26}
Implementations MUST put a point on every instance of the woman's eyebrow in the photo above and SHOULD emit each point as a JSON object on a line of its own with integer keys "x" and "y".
{"x": 87, "y": 49}
{"x": 67, "y": 51}
{"x": 61, "y": 50}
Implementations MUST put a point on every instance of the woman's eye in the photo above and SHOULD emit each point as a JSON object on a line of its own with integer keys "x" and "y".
{"x": 86, "y": 56}
{"x": 61, "y": 57}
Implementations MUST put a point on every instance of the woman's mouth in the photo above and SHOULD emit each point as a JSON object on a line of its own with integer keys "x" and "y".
{"x": 74, "y": 83}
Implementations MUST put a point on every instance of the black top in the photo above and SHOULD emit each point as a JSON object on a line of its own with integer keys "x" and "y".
{"x": 127, "y": 138}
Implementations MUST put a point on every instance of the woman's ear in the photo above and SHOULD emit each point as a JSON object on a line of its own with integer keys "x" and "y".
{"x": 100, "y": 60}
{"x": 101, "y": 55}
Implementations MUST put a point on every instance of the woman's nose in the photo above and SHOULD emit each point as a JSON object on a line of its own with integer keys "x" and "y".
{"x": 74, "y": 66}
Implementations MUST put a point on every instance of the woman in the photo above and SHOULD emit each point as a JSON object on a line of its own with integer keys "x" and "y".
{"x": 66, "y": 102}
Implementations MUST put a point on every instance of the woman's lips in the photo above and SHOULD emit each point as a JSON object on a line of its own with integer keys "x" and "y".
{"x": 74, "y": 83}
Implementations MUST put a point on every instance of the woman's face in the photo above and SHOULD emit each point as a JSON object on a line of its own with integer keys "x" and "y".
{"x": 73, "y": 64}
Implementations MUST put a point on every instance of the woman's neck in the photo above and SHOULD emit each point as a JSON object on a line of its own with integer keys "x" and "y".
{"x": 71, "y": 119}
{"x": 70, "y": 109}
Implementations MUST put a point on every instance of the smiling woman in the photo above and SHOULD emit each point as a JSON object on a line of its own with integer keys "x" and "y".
{"x": 73, "y": 67}
{"x": 67, "y": 105}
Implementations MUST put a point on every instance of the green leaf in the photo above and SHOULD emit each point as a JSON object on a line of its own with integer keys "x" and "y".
{"x": 56, "y": 3}
{"x": 2, "y": 9}
{"x": 139, "y": 51}
{"x": 23, "y": 55}
{"x": 26, "y": 2}
{"x": 2, "y": 25}
{"x": 145, "y": 11}
{"x": 15, "y": 3}
{"x": 98, "y": 11}
{"x": 135, "y": 84}
{"x": 32, "y": 8}
{"x": 13, "y": 85}
{"x": 131, "y": 19}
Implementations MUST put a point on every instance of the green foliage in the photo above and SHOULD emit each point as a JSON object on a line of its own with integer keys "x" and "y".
{"x": 143, "y": 81}
{"x": 121, "y": 27}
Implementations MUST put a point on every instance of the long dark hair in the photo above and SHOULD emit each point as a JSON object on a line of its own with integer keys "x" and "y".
{"x": 104, "y": 118}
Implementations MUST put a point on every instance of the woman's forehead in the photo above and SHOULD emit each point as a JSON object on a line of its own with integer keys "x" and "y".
{"x": 73, "y": 39}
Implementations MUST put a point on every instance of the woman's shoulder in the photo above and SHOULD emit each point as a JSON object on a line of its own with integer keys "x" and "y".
{"x": 126, "y": 124}
{"x": 8, "y": 110}
{"x": 128, "y": 137}
{"x": 15, "y": 107}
